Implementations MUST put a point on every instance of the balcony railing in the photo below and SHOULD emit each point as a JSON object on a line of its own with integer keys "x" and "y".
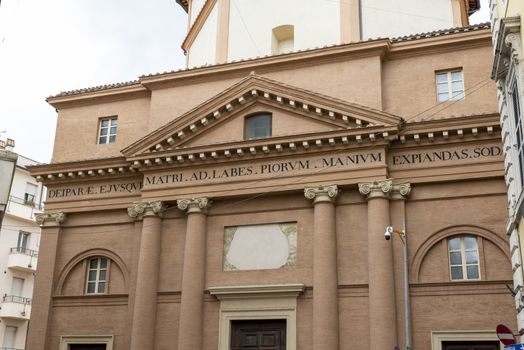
{"x": 28, "y": 203}
{"x": 16, "y": 299}
{"x": 25, "y": 251}
{"x": 22, "y": 259}
{"x": 15, "y": 307}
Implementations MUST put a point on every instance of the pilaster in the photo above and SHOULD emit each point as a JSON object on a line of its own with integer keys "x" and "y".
{"x": 350, "y": 21}
{"x": 44, "y": 280}
{"x": 193, "y": 274}
{"x": 325, "y": 280}
{"x": 145, "y": 307}
{"x": 382, "y": 301}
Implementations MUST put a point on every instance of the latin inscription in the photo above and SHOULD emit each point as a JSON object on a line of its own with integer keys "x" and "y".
{"x": 261, "y": 170}
{"x": 447, "y": 155}
{"x": 107, "y": 189}
{"x": 266, "y": 169}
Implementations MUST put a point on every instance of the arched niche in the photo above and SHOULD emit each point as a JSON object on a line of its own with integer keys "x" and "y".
{"x": 283, "y": 39}
{"x": 73, "y": 276}
{"x": 431, "y": 255}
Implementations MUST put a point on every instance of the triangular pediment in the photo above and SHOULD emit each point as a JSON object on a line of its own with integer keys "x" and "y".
{"x": 294, "y": 111}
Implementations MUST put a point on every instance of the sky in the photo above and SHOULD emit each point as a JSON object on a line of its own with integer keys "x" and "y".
{"x": 59, "y": 45}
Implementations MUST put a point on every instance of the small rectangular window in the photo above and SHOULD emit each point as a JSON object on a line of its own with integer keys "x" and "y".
{"x": 23, "y": 240}
{"x": 450, "y": 85}
{"x": 9, "y": 337}
{"x": 107, "y": 130}
{"x": 30, "y": 193}
{"x": 258, "y": 126}
{"x": 17, "y": 286}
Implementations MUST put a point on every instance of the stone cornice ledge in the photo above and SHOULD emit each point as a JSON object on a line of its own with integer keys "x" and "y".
{"x": 91, "y": 94}
{"x": 257, "y": 291}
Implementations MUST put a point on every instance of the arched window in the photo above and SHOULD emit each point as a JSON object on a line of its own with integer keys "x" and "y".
{"x": 97, "y": 275}
{"x": 258, "y": 126}
{"x": 283, "y": 39}
{"x": 463, "y": 258}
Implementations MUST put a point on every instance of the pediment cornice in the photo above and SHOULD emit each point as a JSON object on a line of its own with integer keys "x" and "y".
{"x": 256, "y": 89}
{"x": 445, "y": 128}
{"x": 455, "y": 129}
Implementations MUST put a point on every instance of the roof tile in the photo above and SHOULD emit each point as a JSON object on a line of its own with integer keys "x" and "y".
{"x": 416, "y": 36}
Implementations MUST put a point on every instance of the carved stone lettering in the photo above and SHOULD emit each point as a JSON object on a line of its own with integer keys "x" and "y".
{"x": 456, "y": 155}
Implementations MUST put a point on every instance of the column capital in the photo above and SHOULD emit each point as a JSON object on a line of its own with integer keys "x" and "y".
{"x": 322, "y": 193}
{"x": 50, "y": 219}
{"x": 138, "y": 209}
{"x": 194, "y": 205}
{"x": 400, "y": 191}
{"x": 376, "y": 189}
{"x": 384, "y": 189}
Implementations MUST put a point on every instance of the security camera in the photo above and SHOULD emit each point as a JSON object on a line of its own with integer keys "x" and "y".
{"x": 387, "y": 234}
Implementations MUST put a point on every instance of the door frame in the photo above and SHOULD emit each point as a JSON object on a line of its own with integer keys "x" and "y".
{"x": 437, "y": 337}
{"x": 264, "y": 302}
{"x": 66, "y": 340}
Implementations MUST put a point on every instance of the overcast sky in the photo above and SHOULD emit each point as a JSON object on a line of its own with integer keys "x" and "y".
{"x": 48, "y": 46}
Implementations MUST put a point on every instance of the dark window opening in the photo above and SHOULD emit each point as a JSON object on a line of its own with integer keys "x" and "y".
{"x": 470, "y": 345}
{"x": 258, "y": 126}
{"x": 87, "y": 347}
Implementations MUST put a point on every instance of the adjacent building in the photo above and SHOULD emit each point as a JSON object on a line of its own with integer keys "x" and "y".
{"x": 509, "y": 75}
{"x": 19, "y": 242}
{"x": 245, "y": 203}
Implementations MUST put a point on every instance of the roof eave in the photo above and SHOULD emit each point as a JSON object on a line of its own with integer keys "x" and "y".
{"x": 183, "y": 4}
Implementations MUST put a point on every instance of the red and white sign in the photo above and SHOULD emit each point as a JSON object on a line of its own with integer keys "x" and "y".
{"x": 505, "y": 335}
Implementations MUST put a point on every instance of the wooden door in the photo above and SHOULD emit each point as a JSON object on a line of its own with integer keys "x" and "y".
{"x": 466, "y": 345}
{"x": 258, "y": 335}
{"x": 87, "y": 347}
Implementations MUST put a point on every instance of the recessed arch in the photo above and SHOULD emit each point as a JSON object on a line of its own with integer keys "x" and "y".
{"x": 115, "y": 259}
{"x": 283, "y": 39}
{"x": 454, "y": 230}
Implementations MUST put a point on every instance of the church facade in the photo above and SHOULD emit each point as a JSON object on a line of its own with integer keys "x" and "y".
{"x": 267, "y": 203}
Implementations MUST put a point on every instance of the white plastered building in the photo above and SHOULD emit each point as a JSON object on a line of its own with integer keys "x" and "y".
{"x": 221, "y": 31}
{"x": 19, "y": 243}
{"x": 508, "y": 72}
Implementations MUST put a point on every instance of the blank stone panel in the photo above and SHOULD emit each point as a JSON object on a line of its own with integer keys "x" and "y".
{"x": 258, "y": 247}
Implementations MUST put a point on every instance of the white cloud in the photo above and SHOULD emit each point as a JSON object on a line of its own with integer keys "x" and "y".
{"x": 56, "y": 45}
